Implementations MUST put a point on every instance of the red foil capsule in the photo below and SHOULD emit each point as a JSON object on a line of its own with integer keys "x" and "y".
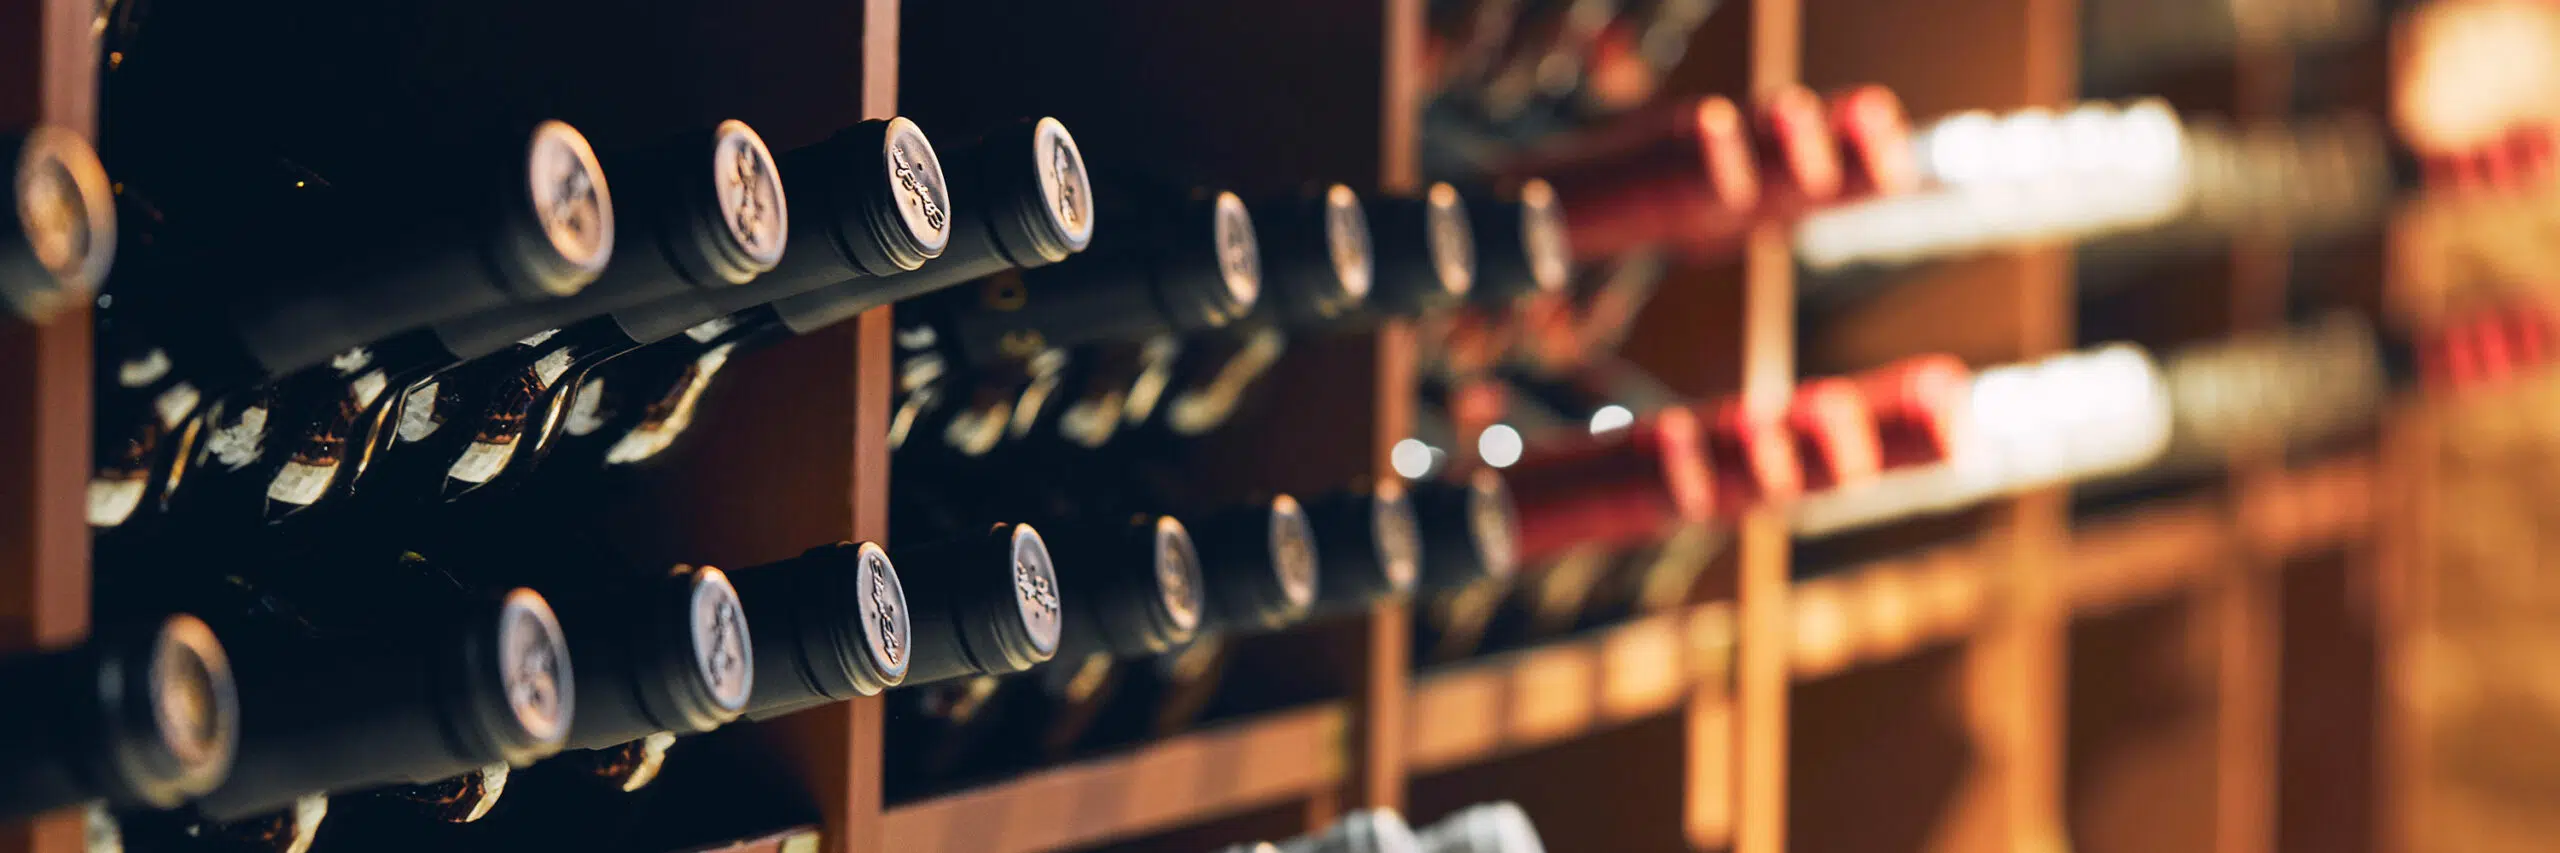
{"x": 1917, "y": 403}
{"x": 1874, "y": 133}
{"x": 1621, "y": 488}
{"x": 1679, "y": 175}
{"x": 1799, "y": 160}
{"x": 1753, "y": 456}
{"x": 1835, "y": 434}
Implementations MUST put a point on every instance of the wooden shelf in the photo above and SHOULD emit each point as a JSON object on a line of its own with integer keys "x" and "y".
{"x": 1222, "y": 770}
{"x": 1546, "y": 695}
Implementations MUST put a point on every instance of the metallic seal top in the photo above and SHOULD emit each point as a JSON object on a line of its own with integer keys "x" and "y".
{"x": 1346, "y": 239}
{"x": 1239, "y": 253}
{"x": 1397, "y": 534}
{"x": 722, "y": 651}
{"x": 1177, "y": 575}
{"x": 882, "y": 602}
{"x": 1452, "y": 239}
{"x": 916, "y": 184}
{"x": 1293, "y": 554}
{"x": 747, "y": 194}
{"x": 1035, "y": 591}
{"x": 192, "y": 716}
{"x": 65, "y": 213}
{"x": 533, "y": 670}
{"x": 1064, "y": 184}
{"x": 1542, "y": 236}
{"x": 571, "y": 206}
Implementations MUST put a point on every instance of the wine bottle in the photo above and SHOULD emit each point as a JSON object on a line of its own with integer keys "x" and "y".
{"x": 832, "y": 624}
{"x": 1007, "y": 218}
{"x": 62, "y": 235}
{"x": 491, "y": 683}
{"x": 1259, "y": 570}
{"x": 1186, "y": 265}
{"x": 890, "y": 214}
{"x": 1139, "y": 590}
{"x": 1679, "y": 174}
{"x": 985, "y": 604}
{"x": 457, "y": 246}
{"x": 1319, "y": 268}
{"x": 1522, "y": 246}
{"x": 1368, "y": 544}
{"x": 1426, "y": 252}
{"x": 134, "y": 719}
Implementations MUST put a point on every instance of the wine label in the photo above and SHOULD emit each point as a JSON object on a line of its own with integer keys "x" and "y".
{"x": 1239, "y": 253}
{"x": 418, "y": 412}
{"x": 300, "y": 483}
{"x": 1035, "y": 590}
{"x": 238, "y": 441}
{"x": 570, "y": 201}
{"x": 915, "y": 179}
{"x": 1397, "y": 535}
{"x": 1346, "y": 241}
{"x": 1452, "y": 240}
{"x": 1494, "y": 522}
{"x": 1177, "y": 576}
{"x": 1293, "y": 553}
{"x": 1064, "y": 185}
{"x": 143, "y": 369}
{"x": 720, "y": 647}
{"x": 1542, "y": 236}
{"x": 883, "y": 605}
{"x": 748, "y": 190}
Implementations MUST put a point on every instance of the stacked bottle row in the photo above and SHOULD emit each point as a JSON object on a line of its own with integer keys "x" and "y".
{"x": 359, "y": 672}
{"x": 1643, "y": 503}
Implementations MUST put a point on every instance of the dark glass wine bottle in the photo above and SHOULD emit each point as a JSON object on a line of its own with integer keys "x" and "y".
{"x": 136, "y": 719}
{"x": 1138, "y": 592}
{"x": 1369, "y": 544}
{"x": 491, "y": 683}
{"x": 1426, "y": 252}
{"x": 527, "y": 223}
{"x": 1259, "y": 572}
{"x": 1318, "y": 269}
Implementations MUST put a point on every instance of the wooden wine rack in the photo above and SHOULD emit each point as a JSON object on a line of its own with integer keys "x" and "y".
{"x": 1953, "y": 699}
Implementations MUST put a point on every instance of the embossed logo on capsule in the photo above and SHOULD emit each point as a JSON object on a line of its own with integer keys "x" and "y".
{"x": 189, "y": 703}
{"x": 720, "y": 640}
{"x": 1178, "y": 574}
{"x": 750, "y": 193}
{"x": 1063, "y": 182}
{"x": 1453, "y": 241}
{"x": 888, "y": 622}
{"x": 1542, "y": 236}
{"x": 1239, "y": 254}
{"x": 533, "y": 671}
{"x": 1293, "y": 551}
{"x": 1035, "y": 589}
{"x": 912, "y": 188}
{"x": 570, "y": 202}
{"x": 1346, "y": 237}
